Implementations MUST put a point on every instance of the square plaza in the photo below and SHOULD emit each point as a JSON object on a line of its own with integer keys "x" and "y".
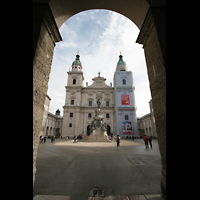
{"x": 74, "y": 169}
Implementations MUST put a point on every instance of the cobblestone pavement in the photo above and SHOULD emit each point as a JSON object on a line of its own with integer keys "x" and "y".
{"x": 72, "y": 170}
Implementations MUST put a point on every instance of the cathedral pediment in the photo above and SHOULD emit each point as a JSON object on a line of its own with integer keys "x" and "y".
{"x": 99, "y": 82}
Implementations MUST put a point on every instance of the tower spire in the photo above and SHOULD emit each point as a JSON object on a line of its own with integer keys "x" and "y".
{"x": 121, "y": 65}
{"x": 77, "y": 65}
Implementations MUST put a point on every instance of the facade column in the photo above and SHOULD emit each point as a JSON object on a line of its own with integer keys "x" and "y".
{"x": 153, "y": 37}
{"x": 45, "y": 35}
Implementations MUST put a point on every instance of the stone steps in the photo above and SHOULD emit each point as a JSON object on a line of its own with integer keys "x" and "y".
{"x": 96, "y": 138}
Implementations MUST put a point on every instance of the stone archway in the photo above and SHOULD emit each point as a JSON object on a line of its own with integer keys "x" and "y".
{"x": 150, "y": 131}
{"x": 88, "y": 130}
{"x": 57, "y": 134}
{"x": 47, "y": 131}
{"x": 149, "y": 17}
{"x": 108, "y": 130}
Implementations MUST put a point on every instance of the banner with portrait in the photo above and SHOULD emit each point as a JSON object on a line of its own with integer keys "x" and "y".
{"x": 127, "y": 128}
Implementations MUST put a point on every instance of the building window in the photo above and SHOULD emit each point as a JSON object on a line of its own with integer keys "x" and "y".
{"x": 72, "y": 102}
{"x": 70, "y": 125}
{"x": 70, "y": 114}
{"x": 90, "y": 103}
{"x": 124, "y": 82}
{"x": 107, "y": 115}
{"x": 107, "y": 103}
{"x": 126, "y": 117}
{"x": 89, "y": 115}
{"x": 74, "y": 81}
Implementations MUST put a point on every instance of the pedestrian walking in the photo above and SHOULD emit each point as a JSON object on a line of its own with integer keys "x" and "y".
{"x": 66, "y": 138}
{"x": 75, "y": 139}
{"x": 150, "y": 140}
{"x": 146, "y": 141}
{"x": 44, "y": 139}
{"x": 118, "y": 141}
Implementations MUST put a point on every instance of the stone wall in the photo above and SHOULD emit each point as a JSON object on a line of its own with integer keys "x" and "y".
{"x": 44, "y": 39}
{"x": 152, "y": 36}
{"x": 41, "y": 71}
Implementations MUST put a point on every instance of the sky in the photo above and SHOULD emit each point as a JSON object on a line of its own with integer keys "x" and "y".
{"x": 99, "y": 36}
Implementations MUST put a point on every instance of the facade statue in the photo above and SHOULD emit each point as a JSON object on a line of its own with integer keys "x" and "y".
{"x": 98, "y": 103}
{"x": 92, "y": 127}
{"x": 104, "y": 127}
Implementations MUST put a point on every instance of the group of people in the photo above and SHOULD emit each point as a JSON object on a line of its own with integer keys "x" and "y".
{"x": 77, "y": 137}
{"x": 43, "y": 138}
{"x": 148, "y": 140}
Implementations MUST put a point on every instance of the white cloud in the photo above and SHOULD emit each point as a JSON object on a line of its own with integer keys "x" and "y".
{"x": 99, "y": 41}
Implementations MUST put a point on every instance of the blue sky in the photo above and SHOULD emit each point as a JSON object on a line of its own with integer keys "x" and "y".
{"x": 99, "y": 36}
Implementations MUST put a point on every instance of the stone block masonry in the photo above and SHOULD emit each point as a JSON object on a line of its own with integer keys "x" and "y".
{"x": 152, "y": 36}
{"x": 43, "y": 47}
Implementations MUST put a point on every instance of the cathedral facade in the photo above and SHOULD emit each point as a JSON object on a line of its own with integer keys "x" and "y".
{"x": 117, "y": 102}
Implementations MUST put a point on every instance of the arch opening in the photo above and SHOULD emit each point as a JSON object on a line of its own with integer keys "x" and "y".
{"x": 71, "y": 10}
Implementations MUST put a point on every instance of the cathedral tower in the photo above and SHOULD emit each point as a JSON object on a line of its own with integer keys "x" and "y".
{"x": 72, "y": 107}
{"x": 125, "y": 109}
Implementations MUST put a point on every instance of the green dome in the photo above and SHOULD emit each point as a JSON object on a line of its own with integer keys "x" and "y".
{"x": 77, "y": 61}
{"x": 121, "y": 62}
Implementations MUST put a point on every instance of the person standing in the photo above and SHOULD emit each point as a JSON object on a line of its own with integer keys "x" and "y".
{"x": 150, "y": 140}
{"x": 146, "y": 141}
{"x": 44, "y": 139}
{"x": 118, "y": 141}
{"x": 75, "y": 139}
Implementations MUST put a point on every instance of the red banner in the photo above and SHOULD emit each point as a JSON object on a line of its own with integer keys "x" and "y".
{"x": 125, "y": 99}
{"x": 127, "y": 132}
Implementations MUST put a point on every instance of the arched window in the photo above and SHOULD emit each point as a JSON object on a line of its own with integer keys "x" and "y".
{"x": 124, "y": 81}
{"x": 74, "y": 81}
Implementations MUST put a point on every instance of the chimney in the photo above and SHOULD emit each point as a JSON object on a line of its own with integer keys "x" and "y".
{"x": 86, "y": 84}
{"x": 110, "y": 83}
